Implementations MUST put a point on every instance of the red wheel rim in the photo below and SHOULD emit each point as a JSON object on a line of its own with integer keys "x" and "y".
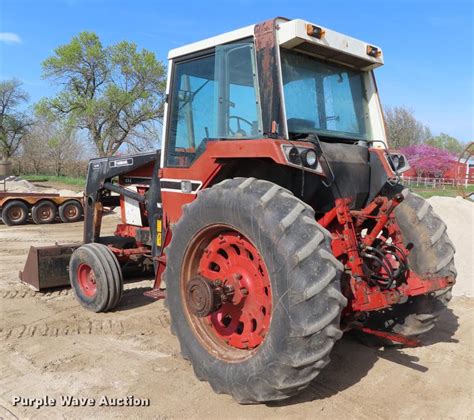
{"x": 242, "y": 323}
{"x": 86, "y": 280}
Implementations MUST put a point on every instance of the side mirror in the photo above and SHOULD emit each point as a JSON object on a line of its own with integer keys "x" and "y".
{"x": 398, "y": 162}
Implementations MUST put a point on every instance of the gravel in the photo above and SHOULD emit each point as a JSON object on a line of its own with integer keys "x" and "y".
{"x": 458, "y": 214}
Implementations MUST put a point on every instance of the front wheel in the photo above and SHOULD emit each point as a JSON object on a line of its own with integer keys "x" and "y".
{"x": 96, "y": 277}
{"x": 253, "y": 290}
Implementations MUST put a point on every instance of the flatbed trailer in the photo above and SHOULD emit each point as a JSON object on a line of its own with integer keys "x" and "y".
{"x": 43, "y": 208}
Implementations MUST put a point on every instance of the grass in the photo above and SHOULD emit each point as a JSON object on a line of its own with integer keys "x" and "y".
{"x": 422, "y": 190}
{"x": 79, "y": 182}
{"x": 427, "y": 192}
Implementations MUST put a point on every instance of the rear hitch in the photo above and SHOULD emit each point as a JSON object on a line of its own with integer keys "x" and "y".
{"x": 398, "y": 338}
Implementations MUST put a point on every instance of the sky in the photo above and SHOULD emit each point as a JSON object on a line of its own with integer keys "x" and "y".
{"x": 427, "y": 44}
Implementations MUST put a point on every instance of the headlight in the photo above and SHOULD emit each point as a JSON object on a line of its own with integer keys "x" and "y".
{"x": 294, "y": 156}
{"x": 310, "y": 158}
{"x": 302, "y": 157}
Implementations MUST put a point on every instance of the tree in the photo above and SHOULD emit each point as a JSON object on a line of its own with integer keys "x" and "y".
{"x": 112, "y": 92}
{"x": 63, "y": 148}
{"x": 403, "y": 129}
{"x": 50, "y": 146}
{"x": 14, "y": 124}
{"x": 35, "y": 154}
{"x": 445, "y": 141}
{"x": 428, "y": 160}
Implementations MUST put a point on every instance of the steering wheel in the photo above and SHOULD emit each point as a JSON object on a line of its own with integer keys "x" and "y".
{"x": 239, "y": 127}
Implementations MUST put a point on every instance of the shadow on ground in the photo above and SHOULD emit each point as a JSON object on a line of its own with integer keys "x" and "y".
{"x": 351, "y": 361}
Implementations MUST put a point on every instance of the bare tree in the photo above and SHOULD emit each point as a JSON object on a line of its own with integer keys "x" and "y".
{"x": 14, "y": 124}
{"x": 51, "y": 146}
{"x": 35, "y": 145}
{"x": 63, "y": 148}
{"x": 403, "y": 129}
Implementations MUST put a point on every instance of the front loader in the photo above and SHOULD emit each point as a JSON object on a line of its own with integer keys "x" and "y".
{"x": 273, "y": 217}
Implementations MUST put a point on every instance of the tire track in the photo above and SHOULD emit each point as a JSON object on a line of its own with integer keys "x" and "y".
{"x": 27, "y": 293}
{"x": 62, "y": 329}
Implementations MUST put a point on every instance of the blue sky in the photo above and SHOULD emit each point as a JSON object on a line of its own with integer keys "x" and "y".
{"x": 427, "y": 44}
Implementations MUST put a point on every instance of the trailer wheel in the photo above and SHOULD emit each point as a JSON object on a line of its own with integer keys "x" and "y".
{"x": 253, "y": 290}
{"x": 70, "y": 211}
{"x": 96, "y": 277}
{"x": 44, "y": 212}
{"x": 15, "y": 213}
{"x": 432, "y": 254}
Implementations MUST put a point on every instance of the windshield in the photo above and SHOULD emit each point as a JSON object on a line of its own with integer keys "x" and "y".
{"x": 325, "y": 98}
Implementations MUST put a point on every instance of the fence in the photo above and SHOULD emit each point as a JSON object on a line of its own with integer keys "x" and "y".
{"x": 431, "y": 182}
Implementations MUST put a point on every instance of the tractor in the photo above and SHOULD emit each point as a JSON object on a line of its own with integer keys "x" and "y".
{"x": 273, "y": 217}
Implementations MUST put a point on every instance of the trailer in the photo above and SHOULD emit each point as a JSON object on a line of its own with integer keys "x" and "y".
{"x": 43, "y": 208}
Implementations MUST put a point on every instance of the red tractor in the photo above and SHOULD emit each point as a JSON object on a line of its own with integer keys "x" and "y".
{"x": 273, "y": 213}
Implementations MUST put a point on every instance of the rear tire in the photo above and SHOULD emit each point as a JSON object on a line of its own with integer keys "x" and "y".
{"x": 15, "y": 213}
{"x": 96, "y": 277}
{"x": 70, "y": 211}
{"x": 432, "y": 255}
{"x": 44, "y": 212}
{"x": 306, "y": 301}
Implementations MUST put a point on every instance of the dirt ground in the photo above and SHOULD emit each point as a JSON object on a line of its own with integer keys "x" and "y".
{"x": 50, "y": 346}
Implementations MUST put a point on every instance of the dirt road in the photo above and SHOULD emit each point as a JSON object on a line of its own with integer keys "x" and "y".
{"x": 49, "y": 346}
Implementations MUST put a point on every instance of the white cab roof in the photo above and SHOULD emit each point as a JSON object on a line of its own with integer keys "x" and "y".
{"x": 292, "y": 34}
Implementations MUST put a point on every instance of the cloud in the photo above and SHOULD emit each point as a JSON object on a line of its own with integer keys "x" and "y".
{"x": 10, "y": 38}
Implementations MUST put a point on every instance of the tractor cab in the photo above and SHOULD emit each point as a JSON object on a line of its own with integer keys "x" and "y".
{"x": 281, "y": 79}
{"x": 260, "y": 97}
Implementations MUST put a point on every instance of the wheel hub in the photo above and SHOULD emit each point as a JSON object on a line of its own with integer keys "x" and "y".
{"x": 15, "y": 213}
{"x": 229, "y": 293}
{"x": 205, "y": 297}
{"x": 71, "y": 211}
{"x": 86, "y": 280}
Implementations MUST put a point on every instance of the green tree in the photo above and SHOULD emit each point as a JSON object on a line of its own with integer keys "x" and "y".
{"x": 403, "y": 129}
{"x": 447, "y": 142}
{"x": 14, "y": 124}
{"x": 112, "y": 92}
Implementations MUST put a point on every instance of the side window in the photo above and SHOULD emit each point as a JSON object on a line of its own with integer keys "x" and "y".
{"x": 193, "y": 111}
{"x": 214, "y": 97}
{"x": 239, "y": 111}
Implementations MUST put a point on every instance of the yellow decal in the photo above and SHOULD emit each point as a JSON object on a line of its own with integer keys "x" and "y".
{"x": 158, "y": 232}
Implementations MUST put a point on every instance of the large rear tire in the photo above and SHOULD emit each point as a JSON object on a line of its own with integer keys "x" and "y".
{"x": 96, "y": 277}
{"x": 432, "y": 255}
{"x": 271, "y": 242}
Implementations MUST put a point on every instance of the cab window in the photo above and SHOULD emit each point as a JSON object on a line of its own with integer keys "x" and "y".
{"x": 214, "y": 97}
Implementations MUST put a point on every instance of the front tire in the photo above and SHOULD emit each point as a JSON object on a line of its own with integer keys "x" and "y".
{"x": 277, "y": 233}
{"x": 96, "y": 277}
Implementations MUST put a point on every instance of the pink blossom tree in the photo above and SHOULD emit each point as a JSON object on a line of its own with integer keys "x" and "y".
{"x": 428, "y": 160}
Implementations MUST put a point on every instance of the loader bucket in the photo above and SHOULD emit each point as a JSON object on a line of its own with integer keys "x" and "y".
{"x": 47, "y": 266}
